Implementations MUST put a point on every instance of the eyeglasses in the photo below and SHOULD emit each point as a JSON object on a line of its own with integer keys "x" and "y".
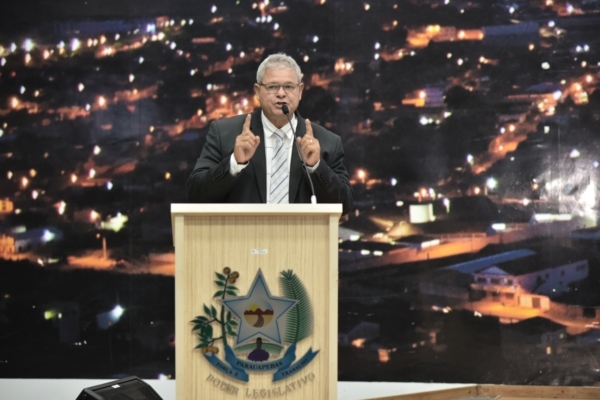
{"x": 274, "y": 87}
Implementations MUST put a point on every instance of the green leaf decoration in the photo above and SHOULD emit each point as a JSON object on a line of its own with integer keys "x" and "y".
{"x": 199, "y": 319}
{"x": 271, "y": 348}
{"x": 221, "y": 277}
{"x": 231, "y": 293}
{"x": 230, "y": 330}
{"x": 231, "y": 287}
{"x": 233, "y": 323}
{"x": 228, "y": 316}
{"x": 207, "y": 331}
{"x": 197, "y": 327}
{"x": 213, "y": 311}
{"x": 219, "y": 283}
{"x": 300, "y": 318}
{"x": 218, "y": 294}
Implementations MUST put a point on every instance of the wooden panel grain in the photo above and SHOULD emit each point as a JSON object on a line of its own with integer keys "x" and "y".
{"x": 447, "y": 394}
{"x": 543, "y": 392}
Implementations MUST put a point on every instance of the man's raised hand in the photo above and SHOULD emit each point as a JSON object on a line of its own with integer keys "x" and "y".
{"x": 246, "y": 143}
{"x": 311, "y": 149}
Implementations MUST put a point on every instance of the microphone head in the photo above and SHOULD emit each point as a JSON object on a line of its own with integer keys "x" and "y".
{"x": 285, "y": 109}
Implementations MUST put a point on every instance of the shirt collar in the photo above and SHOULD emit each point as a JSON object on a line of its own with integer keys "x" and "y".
{"x": 269, "y": 128}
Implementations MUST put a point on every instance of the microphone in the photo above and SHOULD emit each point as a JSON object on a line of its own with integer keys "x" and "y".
{"x": 286, "y": 111}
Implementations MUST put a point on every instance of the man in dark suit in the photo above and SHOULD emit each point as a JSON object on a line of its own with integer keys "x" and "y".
{"x": 244, "y": 156}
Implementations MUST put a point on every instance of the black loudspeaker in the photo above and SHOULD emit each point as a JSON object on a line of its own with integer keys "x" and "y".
{"x": 130, "y": 388}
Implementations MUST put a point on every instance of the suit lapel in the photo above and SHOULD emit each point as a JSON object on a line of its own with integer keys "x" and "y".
{"x": 259, "y": 160}
{"x": 296, "y": 168}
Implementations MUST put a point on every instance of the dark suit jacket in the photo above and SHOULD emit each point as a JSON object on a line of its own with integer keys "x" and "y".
{"x": 211, "y": 182}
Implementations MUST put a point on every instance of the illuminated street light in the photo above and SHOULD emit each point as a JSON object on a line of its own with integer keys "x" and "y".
{"x": 491, "y": 183}
{"x": 574, "y": 153}
{"x": 75, "y": 44}
{"x": 60, "y": 207}
{"x": 28, "y": 45}
{"x": 80, "y": 87}
{"x": 97, "y": 150}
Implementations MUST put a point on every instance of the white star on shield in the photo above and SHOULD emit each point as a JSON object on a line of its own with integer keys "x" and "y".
{"x": 259, "y": 294}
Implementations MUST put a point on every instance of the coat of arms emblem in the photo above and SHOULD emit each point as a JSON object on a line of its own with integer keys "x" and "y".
{"x": 259, "y": 331}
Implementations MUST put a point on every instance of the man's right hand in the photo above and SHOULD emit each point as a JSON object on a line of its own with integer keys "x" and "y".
{"x": 246, "y": 143}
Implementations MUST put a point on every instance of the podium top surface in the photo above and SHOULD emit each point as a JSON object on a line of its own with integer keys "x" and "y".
{"x": 255, "y": 209}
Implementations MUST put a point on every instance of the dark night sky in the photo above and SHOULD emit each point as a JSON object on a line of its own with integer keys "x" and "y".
{"x": 19, "y": 16}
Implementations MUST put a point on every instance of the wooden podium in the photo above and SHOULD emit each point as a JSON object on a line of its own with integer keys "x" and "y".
{"x": 282, "y": 261}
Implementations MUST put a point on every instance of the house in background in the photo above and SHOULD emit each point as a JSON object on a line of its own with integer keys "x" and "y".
{"x": 524, "y": 277}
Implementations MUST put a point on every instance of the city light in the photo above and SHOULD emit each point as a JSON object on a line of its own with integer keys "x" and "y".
{"x": 28, "y": 45}
{"x": 545, "y": 65}
{"x": 97, "y": 150}
{"x": 80, "y": 87}
{"x": 574, "y": 153}
{"x": 60, "y": 207}
{"x": 491, "y": 183}
{"x": 213, "y": 9}
{"x": 75, "y": 45}
{"x": 367, "y": 6}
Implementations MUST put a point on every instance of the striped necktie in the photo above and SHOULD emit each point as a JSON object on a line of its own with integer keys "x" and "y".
{"x": 279, "y": 172}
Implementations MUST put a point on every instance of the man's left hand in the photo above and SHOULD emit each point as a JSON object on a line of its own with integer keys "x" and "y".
{"x": 310, "y": 147}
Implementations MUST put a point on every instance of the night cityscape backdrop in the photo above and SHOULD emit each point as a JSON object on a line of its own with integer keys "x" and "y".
{"x": 471, "y": 135}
